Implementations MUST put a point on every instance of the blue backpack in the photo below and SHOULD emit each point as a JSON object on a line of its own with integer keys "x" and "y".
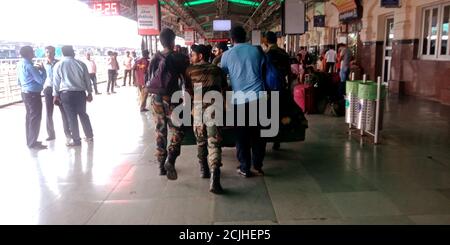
{"x": 273, "y": 77}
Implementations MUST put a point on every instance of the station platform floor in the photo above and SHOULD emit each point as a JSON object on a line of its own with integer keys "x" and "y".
{"x": 331, "y": 178}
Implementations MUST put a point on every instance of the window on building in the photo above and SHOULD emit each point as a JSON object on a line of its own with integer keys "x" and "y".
{"x": 435, "y": 31}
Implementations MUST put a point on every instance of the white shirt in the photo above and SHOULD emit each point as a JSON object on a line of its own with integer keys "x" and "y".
{"x": 92, "y": 68}
{"x": 330, "y": 56}
{"x": 128, "y": 63}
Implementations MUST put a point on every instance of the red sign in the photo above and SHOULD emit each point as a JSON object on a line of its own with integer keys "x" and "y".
{"x": 189, "y": 37}
{"x": 220, "y": 40}
{"x": 148, "y": 17}
{"x": 106, "y": 8}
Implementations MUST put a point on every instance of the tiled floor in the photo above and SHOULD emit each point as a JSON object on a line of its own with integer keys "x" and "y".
{"x": 331, "y": 178}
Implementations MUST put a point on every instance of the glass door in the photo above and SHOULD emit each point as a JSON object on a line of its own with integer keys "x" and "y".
{"x": 387, "y": 60}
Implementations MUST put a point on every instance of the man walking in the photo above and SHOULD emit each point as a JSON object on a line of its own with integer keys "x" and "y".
{"x": 206, "y": 77}
{"x": 71, "y": 81}
{"x": 280, "y": 60}
{"x": 346, "y": 56}
{"x": 165, "y": 70}
{"x": 92, "y": 69}
{"x": 140, "y": 69}
{"x": 244, "y": 64}
{"x": 112, "y": 72}
{"x": 31, "y": 80}
{"x": 330, "y": 57}
{"x": 48, "y": 94}
{"x": 221, "y": 48}
{"x": 128, "y": 64}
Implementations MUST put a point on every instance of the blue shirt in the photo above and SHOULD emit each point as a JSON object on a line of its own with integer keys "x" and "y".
{"x": 244, "y": 64}
{"x": 49, "y": 70}
{"x": 70, "y": 74}
{"x": 29, "y": 77}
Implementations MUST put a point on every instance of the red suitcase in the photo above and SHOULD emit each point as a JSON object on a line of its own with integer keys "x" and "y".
{"x": 304, "y": 97}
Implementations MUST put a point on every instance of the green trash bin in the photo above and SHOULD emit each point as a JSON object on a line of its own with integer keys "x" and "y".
{"x": 351, "y": 101}
{"x": 367, "y": 95}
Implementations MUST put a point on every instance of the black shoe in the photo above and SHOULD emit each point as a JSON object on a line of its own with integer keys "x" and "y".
{"x": 38, "y": 146}
{"x": 245, "y": 174}
{"x": 204, "y": 170}
{"x": 162, "y": 171}
{"x": 89, "y": 139}
{"x": 170, "y": 168}
{"x": 73, "y": 144}
{"x": 50, "y": 138}
{"x": 259, "y": 172}
{"x": 97, "y": 93}
{"x": 144, "y": 110}
{"x": 214, "y": 185}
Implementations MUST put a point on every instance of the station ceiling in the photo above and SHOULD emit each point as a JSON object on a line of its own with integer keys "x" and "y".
{"x": 199, "y": 14}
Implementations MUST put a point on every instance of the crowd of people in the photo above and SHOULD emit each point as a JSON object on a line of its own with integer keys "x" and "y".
{"x": 66, "y": 83}
{"x": 243, "y": 69}
{"x": 240, "y": 69}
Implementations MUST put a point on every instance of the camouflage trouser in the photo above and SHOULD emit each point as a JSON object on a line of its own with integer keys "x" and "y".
{"x": 208, "y": 144}
{"x": 162, "y": 110}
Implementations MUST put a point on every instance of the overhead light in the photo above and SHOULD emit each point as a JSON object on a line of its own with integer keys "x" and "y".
{"x": 197, "y": 2}
{"x": 245, "y": 2}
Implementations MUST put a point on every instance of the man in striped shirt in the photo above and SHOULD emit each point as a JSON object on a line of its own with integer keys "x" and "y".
{"x": 203, "y": 77}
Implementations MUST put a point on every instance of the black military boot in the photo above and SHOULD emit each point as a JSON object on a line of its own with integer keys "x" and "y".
{"x": 162, "y": 170}
{"x": 170, "y": 168}
{"x": 204, "y": 169}
{"x": 214, "y": 185}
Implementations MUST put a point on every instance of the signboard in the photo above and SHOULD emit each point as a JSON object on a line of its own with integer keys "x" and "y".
{"x": 218, "y": 40}
{"x": 293, "y": 17}
{"x": 390, "y": 3}
{"x": 256, "y": 37}
{"x": 107, "y": 8}
{"x": 189, "y": 37}
{"x": 201, "y": 41}
{"x": 148, "y": 17}
{"x": 319, "y": 21}
{"x": 348, "y": 9}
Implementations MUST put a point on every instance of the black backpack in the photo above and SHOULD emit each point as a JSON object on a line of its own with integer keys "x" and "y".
{"x": 163, "y": 78}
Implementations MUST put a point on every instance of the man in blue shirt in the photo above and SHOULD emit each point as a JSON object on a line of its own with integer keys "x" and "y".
{"x": 244, "y": 64}
{"x": 48, "y": 94}
{"x": 71, "y": 81}
{"x": 31, "y": 80}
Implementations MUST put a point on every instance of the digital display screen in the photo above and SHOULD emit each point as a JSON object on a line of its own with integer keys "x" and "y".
{"x": 106, "y": 8}
{"x": 319, "y": 21}
{"x": 222, "y": 25}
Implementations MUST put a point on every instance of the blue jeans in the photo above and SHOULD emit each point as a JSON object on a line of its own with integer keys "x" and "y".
{"x": 250, "y": 147}
{"x": 344, "y": 73}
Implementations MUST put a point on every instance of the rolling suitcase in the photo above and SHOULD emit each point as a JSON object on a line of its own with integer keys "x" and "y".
{"x": 304, "y": 97}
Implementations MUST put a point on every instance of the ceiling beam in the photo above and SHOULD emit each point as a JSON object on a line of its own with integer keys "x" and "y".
{"x": 178, "y": 9}
{"x": 268, "y": 13}
{"x": 250, "y": 23}
{"x": 222, "y": 8}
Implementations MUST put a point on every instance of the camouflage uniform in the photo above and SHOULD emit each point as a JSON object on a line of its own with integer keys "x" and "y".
{"x": 162, "y": 110}
{"x": 208, "y": 142}
{"x": 206, "y": 77}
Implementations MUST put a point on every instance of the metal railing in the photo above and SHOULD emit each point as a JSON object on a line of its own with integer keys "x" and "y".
{"x": 10, "y": 90}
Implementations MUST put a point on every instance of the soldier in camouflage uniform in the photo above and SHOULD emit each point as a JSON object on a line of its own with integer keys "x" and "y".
{"x": 206, "y": 77}
{"x": 162, "y": 110}
{"x": 164, "y": 71}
